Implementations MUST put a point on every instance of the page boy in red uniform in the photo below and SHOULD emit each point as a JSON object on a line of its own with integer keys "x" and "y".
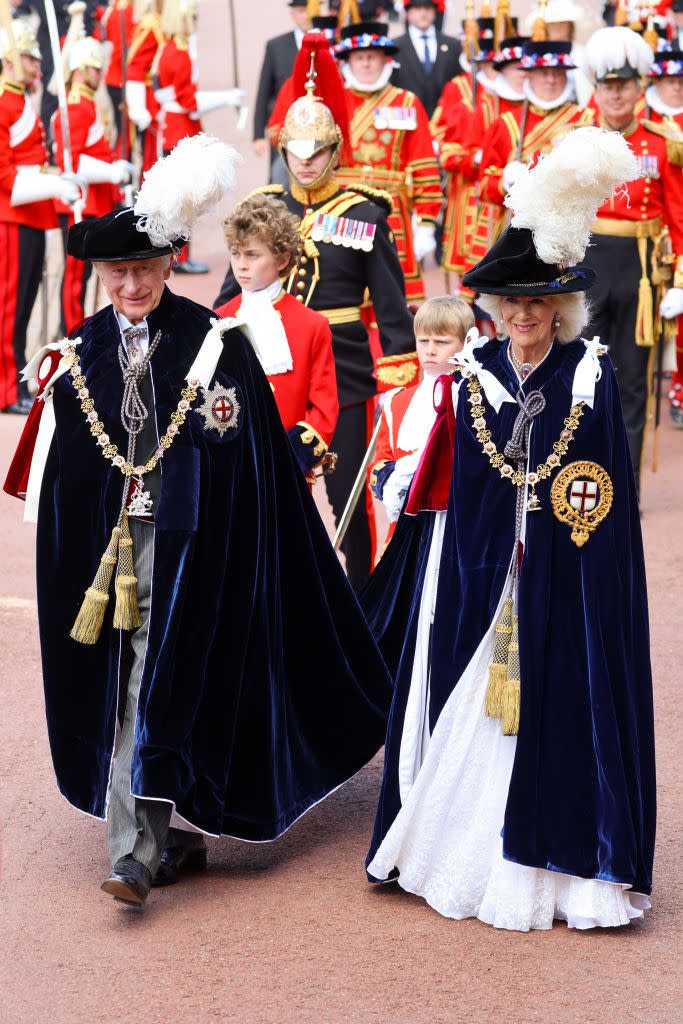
{"x": 441, "y": 325}
{"x": 293, "y": 343}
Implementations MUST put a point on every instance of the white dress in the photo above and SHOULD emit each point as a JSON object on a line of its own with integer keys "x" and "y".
{"x": 446, "y": 839}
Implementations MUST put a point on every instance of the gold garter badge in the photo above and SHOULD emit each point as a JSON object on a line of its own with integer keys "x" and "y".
{"x": 581, "y": 497}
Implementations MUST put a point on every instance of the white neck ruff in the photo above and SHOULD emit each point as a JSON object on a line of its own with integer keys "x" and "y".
{"x": 566, "y": 96}
{"x": 352, "y": 82}
{"x": 655, "y": 101}
{"x": 503, "y": 89}
{"x": 270, "y": 339}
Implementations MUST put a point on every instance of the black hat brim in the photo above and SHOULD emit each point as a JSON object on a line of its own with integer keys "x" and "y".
{"x": 513, "y": 267}
{"x": 115, "y": 238}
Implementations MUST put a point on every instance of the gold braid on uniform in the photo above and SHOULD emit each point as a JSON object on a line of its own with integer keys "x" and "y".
{"x": 378, "y": 196}
{"x": 673, "y": 138}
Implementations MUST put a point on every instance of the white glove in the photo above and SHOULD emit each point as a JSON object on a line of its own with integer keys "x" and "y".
{"x": 207, "y": 101}
{"x": 671, "y": 305}
{"x": 31, "y": 186}
{"x": 97, "y": 172}
{"x": 424, "y": 241}
{"x": 511, "y": 172}
{"x": 397, "y": 485}
{"x": 136, "y": 101}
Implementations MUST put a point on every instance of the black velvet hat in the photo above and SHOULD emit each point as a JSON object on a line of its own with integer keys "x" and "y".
{"x": 365, "y": 35}
{"x": 513, "y": 267}
{"x": 113, "y": 238}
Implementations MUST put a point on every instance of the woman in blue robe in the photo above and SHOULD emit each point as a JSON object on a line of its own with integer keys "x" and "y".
{"x": 519, "y": 782}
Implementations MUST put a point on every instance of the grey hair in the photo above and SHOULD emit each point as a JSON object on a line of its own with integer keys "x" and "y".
{"x": 573, "y": 309}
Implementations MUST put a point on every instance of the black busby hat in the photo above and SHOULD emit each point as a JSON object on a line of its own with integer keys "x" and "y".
{"x": 553, "y": 207}
{"x": 115, "y": 237}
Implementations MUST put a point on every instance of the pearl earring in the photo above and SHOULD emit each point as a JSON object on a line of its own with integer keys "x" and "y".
{"x": 556, "y": 320}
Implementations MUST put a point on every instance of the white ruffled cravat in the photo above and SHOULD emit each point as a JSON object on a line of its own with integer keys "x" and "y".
{"x": 267, "y": 329}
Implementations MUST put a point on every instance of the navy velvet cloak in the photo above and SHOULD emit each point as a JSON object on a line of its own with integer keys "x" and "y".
{"x": 263, "y": 688}
{"x": 582, "y": 793}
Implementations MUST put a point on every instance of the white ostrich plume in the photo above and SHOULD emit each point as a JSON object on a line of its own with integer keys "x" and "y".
{"x": 558, "y": 198}
{"x": 184, "y": 185}
{"x": 610, "y": 49}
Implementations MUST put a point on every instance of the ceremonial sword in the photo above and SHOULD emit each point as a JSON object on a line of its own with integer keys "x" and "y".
{"x": 243, "y": 109}
{"x": 357, "y": 489}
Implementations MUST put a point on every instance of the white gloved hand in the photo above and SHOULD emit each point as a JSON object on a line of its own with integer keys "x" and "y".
{"x": 511, "y": 172}
{"x": 424, "y": 241}
{"x": 212, "y": 100}
{"x": 671, "y": 305}
{"x": 397, "y": 485}
{"x": 32, "y": 186}
{"x": 136, "y": 101}
{"x": 97, "y": 172}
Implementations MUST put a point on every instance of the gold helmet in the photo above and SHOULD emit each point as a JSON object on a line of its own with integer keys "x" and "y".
{"x": 317, "y": 119}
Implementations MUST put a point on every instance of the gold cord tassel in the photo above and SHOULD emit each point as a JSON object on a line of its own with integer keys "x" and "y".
{"x": 498, "y": 669}
{"x": 86, "y": 628}
{"x": 126, "y": 611}
{"x": 645, "y": 312}
{"x": 512, "y": 688}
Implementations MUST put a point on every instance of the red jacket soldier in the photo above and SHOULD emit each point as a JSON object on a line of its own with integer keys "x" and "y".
{"x": 664, "y": 99}
{"x": 26, "y": 208}
{"x": 93, "y": 162}
{"x": 118, "y": 22}
{"x": 392, "y": 145}
{"x": 629, "y": 227}
{"x": 140, "y": 100}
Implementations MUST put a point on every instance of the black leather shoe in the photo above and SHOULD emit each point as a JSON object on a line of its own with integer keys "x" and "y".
{"x": 191, "y": 267}
{"x": 129, "y": 881}
{"x": 179, "y": 860}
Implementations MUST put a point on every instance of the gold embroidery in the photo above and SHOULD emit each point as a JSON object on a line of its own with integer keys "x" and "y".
{"x": 594, "y": 505}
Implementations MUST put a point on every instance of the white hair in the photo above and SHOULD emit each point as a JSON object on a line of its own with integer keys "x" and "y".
{"x": 573, "y": 309}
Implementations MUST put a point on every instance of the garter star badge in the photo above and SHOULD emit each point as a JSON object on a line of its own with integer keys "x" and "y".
{"x": 581, "y": 497}
{"x": 220, "y": 409}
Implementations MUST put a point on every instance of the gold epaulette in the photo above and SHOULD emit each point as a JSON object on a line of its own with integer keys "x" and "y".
{"x": 673, "y": 139}
{"x": 264, "y": 190}
{"x": 14, "y": 87}
{"x": 375, "y": 195}
{"x": 397, "y": 371}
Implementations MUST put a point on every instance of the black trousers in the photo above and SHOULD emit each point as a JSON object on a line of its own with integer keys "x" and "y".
{"x": 74, "y": 282}
{"x": 116, "y": 97}
{"x": 22, "y": 253}
{"x": 614, "y": 301}
{"x": 350, "y": 442}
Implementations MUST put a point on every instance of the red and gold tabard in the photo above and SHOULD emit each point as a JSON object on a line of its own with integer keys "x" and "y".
{"x": 461, "y": 125}
{"x": 22, "y": 144}
{"x": 88, "y": 137}
{"x": 117, "y": 17}
{"x": 306, "y": 394}
{"x": 393, "y": 150}
{"x": 542, "y": 128}
{"x": 146, "y": 42}
{"x": 177, "y": 93}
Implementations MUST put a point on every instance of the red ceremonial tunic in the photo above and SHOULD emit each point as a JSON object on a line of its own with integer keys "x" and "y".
{"x": 501, "y": 145}
{"x": 22, "y": 144}
{"x": 147, "y": 38}
{"x": 116, "y": 12}
{"x": 177, "y": 93}
{"x": 393, "y": 150}
{"x": 88, "y": 137}
{"x": 306, "y": 394}
{"x": 388, "y": 448}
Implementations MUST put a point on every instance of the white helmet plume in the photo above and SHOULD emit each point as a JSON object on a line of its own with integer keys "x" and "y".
{"x": 558, "y": 198}
{"x": 184, "y": 185}
{"x": 610, "y": 49}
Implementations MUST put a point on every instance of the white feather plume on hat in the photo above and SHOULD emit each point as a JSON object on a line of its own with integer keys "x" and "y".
{"x": 184, "y": 185}
{"x": 610, "y": 49}
{"x": 558, "y": 198}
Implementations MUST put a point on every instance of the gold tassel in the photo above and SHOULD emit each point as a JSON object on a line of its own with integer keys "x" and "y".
{"x": 86, "y": 629}
{"x": 645, "y": 312}
{"x": 512, "y": 688}
{"x": 126, "y": 612}
{"x": 498, "y": 669}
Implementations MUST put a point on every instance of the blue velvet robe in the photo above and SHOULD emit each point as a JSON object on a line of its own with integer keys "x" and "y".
{"x": 263, "y": 688}
{"x": 582, "y": 792}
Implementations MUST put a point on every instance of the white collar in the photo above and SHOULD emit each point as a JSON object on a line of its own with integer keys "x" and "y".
{"x": 419, "y": 417}
{"x": 503, "y": 89}
{"x": 353, "y": 83}
{"x": 655, "y": 101}
{"x": 270, "y": 293}
{"x": 565, "y": 97}
{"x": 417, "y": 33}
{"x": 298, "y": 37}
